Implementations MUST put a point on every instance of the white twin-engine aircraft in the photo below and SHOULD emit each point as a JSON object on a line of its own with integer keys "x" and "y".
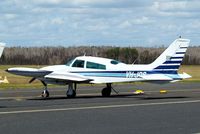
{"x": 87, "y": 69}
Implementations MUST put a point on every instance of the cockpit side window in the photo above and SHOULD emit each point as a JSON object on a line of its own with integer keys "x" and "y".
{"x": 79, "y": 63}
{"x": 114, "y": 62}
{"x": 93, "y": 65}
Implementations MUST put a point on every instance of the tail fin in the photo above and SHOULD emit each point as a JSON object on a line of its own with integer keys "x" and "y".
{"x": 171, "y": 58}
{"x": 2, "y": 45}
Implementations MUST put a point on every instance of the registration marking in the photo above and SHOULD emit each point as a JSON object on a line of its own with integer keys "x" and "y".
{"x": 132, "y": 74}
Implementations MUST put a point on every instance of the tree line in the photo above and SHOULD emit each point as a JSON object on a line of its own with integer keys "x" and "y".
{"x": 60, "y": 55}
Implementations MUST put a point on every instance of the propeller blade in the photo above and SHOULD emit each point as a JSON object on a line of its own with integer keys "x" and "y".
{"x": 32, "y": 80}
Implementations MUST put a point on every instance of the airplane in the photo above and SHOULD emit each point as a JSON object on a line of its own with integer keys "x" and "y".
{"x": 96, "y": 70}
{"x": 2, "y": 46}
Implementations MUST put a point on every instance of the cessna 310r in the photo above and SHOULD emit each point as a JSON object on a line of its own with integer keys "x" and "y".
{"x": 88, "y": 69}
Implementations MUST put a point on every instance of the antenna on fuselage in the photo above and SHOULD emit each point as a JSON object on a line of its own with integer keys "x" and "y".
{"x": 135, "y": 60}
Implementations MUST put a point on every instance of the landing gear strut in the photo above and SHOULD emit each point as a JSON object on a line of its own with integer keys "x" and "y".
{"x": 107, "y": 90}
{"x": 71, "y": 92}
{"x": 45, "y": 93}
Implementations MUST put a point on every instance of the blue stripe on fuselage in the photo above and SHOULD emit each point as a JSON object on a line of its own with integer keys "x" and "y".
{"x": 120, "y": 74}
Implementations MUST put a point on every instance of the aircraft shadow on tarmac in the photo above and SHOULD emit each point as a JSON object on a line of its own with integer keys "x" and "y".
{"x": 81, "y": 97}
{"x": 167, "y": 97}
{"x": 142, "y": 97}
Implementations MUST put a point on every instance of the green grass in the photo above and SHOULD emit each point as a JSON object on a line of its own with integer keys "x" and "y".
{"x": 193, "y": 70}
{"x": 17, "y": 82}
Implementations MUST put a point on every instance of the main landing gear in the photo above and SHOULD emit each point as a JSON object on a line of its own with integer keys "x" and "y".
{"x": 106, "y": 92}
{"x": 71, "y": 92}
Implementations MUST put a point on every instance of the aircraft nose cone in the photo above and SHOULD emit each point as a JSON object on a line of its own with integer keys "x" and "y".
{"x": 8, "y": 70}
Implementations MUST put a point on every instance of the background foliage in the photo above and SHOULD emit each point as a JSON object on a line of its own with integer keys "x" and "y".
{"x": 60, "y": 55}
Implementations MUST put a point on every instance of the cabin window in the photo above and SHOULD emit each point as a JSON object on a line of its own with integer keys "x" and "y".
{"x": 78, "y": 63}
{"x": 114, "y": 62}
{"x": 95, "y": 65}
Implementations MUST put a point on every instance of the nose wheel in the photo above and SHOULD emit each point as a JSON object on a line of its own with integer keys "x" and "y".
{"x": 45, "y": 93}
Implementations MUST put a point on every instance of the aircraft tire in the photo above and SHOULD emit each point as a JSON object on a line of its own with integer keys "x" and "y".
{"x": 106, "y": 92}
{"x": 45, "y": 94}
{"x": 73, "y": 95}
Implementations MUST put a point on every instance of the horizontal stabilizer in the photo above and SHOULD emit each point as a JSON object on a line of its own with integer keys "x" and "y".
{"x": 185, "y": 75}
{"x": 156, "y": 77}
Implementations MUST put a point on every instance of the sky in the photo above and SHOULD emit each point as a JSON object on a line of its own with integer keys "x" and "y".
{"x": 142, "y": 23}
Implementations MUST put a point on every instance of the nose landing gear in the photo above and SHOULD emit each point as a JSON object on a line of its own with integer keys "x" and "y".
{"x": 45, "y": 93}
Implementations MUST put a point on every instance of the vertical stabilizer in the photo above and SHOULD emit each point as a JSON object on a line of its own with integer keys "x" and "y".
{"x": 2, "y": 46}
{"x": 171, "y": 58}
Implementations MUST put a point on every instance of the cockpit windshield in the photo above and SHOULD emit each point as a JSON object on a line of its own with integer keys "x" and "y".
{"x": 70, "y": 62}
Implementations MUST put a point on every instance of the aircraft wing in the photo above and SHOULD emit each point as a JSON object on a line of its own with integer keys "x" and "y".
{"x": 30, "y": 72}
{"x": 66, "y": 76}
{"x": 55, "y": 75}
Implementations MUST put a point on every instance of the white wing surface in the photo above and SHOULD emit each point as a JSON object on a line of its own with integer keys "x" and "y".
{"x": 156, "y": 77}
{"x": 67, "y": 76}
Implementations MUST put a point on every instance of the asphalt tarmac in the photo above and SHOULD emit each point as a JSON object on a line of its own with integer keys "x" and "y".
{"x": 174, "y": 112}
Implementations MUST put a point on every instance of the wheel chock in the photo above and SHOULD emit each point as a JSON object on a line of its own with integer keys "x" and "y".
{"x": 139, "y": 92}
{"x": 163, "y": 91}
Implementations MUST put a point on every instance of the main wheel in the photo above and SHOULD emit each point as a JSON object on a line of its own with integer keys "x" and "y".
{"x": 71, "y": 94}
{"x": 106, "y": 92}
{"x": 45, "y": 94}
